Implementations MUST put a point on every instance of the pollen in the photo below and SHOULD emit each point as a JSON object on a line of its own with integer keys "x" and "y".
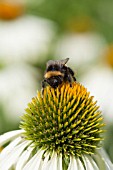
{"x": 66, "y": 120}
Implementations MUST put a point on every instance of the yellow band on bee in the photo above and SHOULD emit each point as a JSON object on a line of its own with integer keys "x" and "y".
{"x": 50, "y": 74}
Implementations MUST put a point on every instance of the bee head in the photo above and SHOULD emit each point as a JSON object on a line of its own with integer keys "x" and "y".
{"x": 55, "y": 81}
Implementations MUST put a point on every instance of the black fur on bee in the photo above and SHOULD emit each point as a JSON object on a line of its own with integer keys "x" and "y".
{"x": 56, "y": 73}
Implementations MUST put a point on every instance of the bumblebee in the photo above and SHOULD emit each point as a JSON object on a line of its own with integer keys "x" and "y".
{"x": 56, "y": 73}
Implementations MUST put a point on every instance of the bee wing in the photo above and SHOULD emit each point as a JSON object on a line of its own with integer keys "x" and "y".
{"x": 63, "y": 62}
{"x": 60, "y": 62}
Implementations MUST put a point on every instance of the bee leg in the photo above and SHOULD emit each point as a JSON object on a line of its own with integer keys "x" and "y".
{"x": 43, "y": 86}
{"x": 72, "y": 73}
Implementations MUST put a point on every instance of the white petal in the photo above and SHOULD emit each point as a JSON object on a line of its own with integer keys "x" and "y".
{"x": 72, "y": 164}
{"x": 9, "y": 136}
{"x": 103, "y": 160}
{"x": 34, "y": 162}
{"x": 44, "y": 162}
{"x": 88, "y": 163}
{"x": 9, "y": 148}
{"x": 80, "y": 165}
{"x": 23, "y": 158}
{"x": 59, "y": 163}
{"x": 12, "y": 157}
{"x": 55, "y": 162}
{"x": 93, "y": 163}
{"x": 52, "y": 163}
{"x": 105, "y": 157}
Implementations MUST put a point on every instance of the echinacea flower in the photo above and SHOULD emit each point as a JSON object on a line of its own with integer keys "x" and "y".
{"x": 25, "y": 39}
{"x": 71, "y": 44}
{"x": 61, "y": 130}
{"x": 11, "y": 9}
{"x": 102, "y": 79}
{"x": 17, "y": 86}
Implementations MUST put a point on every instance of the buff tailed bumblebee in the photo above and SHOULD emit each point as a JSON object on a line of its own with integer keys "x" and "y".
{"x": 56, "y": 73}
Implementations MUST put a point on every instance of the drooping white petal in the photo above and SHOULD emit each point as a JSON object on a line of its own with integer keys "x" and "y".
{"x": 90, "y": 165}
{"x": 44, "y": 162}
{"x": 59, "y": 162}
{"x": 80, "y": 165}
{"x": 23, "y": 158}
{"x": 105, "y": 157}
{"x": 11, "y": 158}
{"x": 90, "y": 162}
{"x": 9, "y": 148}
{"x": 103, "y": 160}
{"x": 9, "y": 136}
{"x": 55, "y": 162}
{"x": 72, "y": 164}
{"x": 34, "y": 162}
{"x": 52, "y": 163}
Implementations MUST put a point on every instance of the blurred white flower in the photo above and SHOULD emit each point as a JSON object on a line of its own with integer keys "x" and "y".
{"x": 26, "y": 38}
{"x": 99, "y": 81}
{"x": 80, "y": 48}
{"x": 21, "y": 154}
{"x": 17, "y": 85}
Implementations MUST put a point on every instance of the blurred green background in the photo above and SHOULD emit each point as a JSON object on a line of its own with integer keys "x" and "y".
{"x": 32, "y": 32}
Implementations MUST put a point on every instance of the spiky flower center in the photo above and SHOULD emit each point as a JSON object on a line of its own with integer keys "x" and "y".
{"x": 65, "y": 120}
